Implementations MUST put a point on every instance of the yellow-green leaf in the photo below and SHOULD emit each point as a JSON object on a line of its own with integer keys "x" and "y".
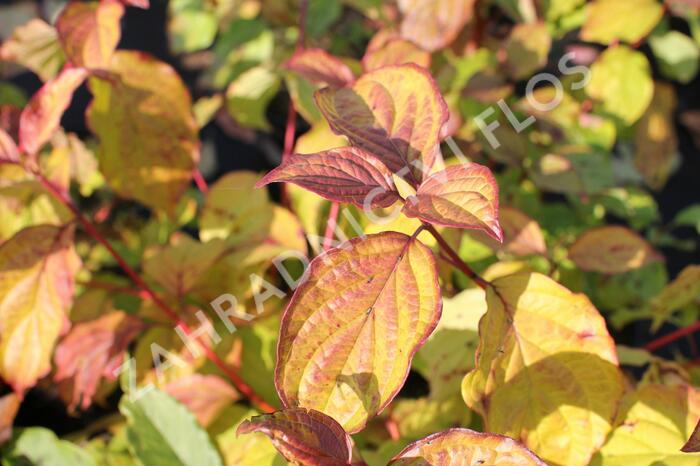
{"x": 527, "y": 49}
{"x": 626, "y": 20}
{"x": 395, "y": 112}
{"x": 35, "y": 46}
{"x": 612, "y": 249}
{"x": 680, "y": 292}
{"x": 546, "y": 370}
{"x": 149, "y": 141}
{"x": 37, "y": 268}
{"x": 457, "y": 447}
{"x": 653, "y": 424}
{"x": 350, "y": 331}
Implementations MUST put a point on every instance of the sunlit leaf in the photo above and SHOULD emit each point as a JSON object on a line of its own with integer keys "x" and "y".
{"x": 204, "y": 395}
{"x": 344, "y": 175}
{"x": 320, "y": 67}
{"x": 350, "y": 331}
{"x": 680, "y": 292}
{"x": 626, "y": 20}
{"x": 677, "y": 54}
{"x": 38, "y": 445}
{"x": 396, "y": 113}
{"x": 456, "y": 447}
{"x": 148, "y": 137}
{"x": 653, "y": 424}
{"x": 546, "y": 369}
{"x": 611, "y": 249}
{"x": 387, "y": 49}
{"x": 42, "y": 116}
{"x": 93, "y": 350}
{"x": 621, "y": 82}
{"x": 247, "y": 97}
{"x": 417, "y": 417}
{"x": 37, "y": 268}
{"x": 433, "y": 24}
{"x": 461, "y": 196}
{"x": 90, "y": 32}
{"x": 35, "y": 46}
{"x": 304, "y": 436}
{"x": 163, "y": 432}
{"x": 522, "y": 235}
{"x": 526, "y": 49}
{"x": 192, "y": 25}
{"x": 655, "y": 138}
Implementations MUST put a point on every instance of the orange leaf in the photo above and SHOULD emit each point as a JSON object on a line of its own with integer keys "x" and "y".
{"x": 611, "y": 250}
{"x": 346, "y": 174}
{"x": 395, "y": 112}
{"x": 90, "y": 32}
{"x": 461, "y": 196}
{"x": 457, "y": 447}
{"x": 304, "y": 436}
{"x": 433, "y": 24}
{"x": 321, "y": 67}
{"x": 204, "y": 395}
{"x": 350, "y": 331}
{"x": 42, "y": 116}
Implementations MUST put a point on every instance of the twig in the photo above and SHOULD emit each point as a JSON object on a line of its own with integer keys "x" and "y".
{"x": 671, "y": 337}
{"x": 237, "y": 381}
{"x": 455, "y": 259}
{"x": 330, "y": 226}
{"x": 200, "y": 181}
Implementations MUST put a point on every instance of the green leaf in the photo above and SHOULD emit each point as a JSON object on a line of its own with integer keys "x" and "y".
{"x": 162, "y": 432}
{"x": 677, "y": 55}
{"x": 192, "y": 26}
{"x": 247, "y": 97}
{"x": 41, "y": 447}
{"x": 690, "y": 216}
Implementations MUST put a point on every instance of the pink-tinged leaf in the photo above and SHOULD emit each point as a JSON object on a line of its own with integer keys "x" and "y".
{"x": 35, "y": 45}
{"x": 93, "y": 350}
{"x": 387, "y": 49}
{"x": 90, "y": 32}
{"x": 37, "y": 273}
{"x": 522, "y": 236}
{"x": 8, "y": 149}
{"x": 42, "y": 116}
{"x": 461, "y": 196}
{"x": 304, "y": 436}
{"x": 395, "y": 112}
{"x": 346, "y": 174}
{"x": 9, "y": 405}
{"x": 204, "y": 395}
{"x": 612, "y": 250}
{"x": 693, "y": 443}
{"x": 349, "y": 333}
{"x": 433, "y": 24}
{"x": 321, "y": 67}
{"x": 457, "y": 447}
{"x": 145, "y": 4}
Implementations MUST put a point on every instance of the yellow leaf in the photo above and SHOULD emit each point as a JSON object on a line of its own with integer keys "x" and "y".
{"x": 37, "y": 268}
{"x": 546, "y": 370}
{"x": 350, "y": 331}
{"x": 611, "y": 250}
{"x": 653, "y": 424}
{"x": 680, "y": 292}
{"x": 626, "y": 20}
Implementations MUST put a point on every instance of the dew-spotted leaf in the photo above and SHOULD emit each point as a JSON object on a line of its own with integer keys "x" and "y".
{"x": 304, "y": 436}
{"x": 37, "y": 268}
{"x": 93, "y": 350}
{"x": 149, "y": 141}
{"x": 433, "y": 24}
{"x": 41, "y": 117}
{"x": 612, "y": 249}
{"x": 89, "y": 32}
{"x": 395, "y": 112}
{"x": 350, "y": 330}
{"x": 321, "y": 67}
{"x": 461, "y": 196}
{"x": 347, "y": 174}
{"x": 456, "y": 447}
{"x": 547, "y": 371}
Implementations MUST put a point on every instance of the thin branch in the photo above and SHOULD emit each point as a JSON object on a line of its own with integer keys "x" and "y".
{"x": 671, "y": 337}
{"x": 238, "y": 382}
{"x": 200, "y": 181}
{"x": 455, "y": 259}
{"x": 330, "y": 226}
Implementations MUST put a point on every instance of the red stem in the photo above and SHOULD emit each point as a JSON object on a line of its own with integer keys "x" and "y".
{"x": 671, "y": 337}
{"x": 239, "y": 383}
{"x": 289, "y": 131}
{"x": 200, "y": 181}
{"x": 330, "y": 226}
{"x": 455, "y": 259}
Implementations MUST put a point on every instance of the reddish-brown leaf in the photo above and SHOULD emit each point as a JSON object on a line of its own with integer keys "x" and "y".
{"x": 304, "y": 436}
{"x": 321, "y": 67}
{"x": 204, "y": 395}
{"x": 387, "y": 49}
{"x": 9, "y": 405}
{"x": 93, "y": 350}
{"x": 395, "y": 112}
{"x": 145, "y": 4}
{"x": 693, "y": 443}
{"x": 461, "y": 196}
{"x": 433, "y": 24}
{"x": 612, "y": 249}
{"x": 8, "y": 149}
{"x": 90, "y": 32}
{"x": 41, "y": 117}
{"x": 346, "y": 174}
{"x": 457, "y": 447}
